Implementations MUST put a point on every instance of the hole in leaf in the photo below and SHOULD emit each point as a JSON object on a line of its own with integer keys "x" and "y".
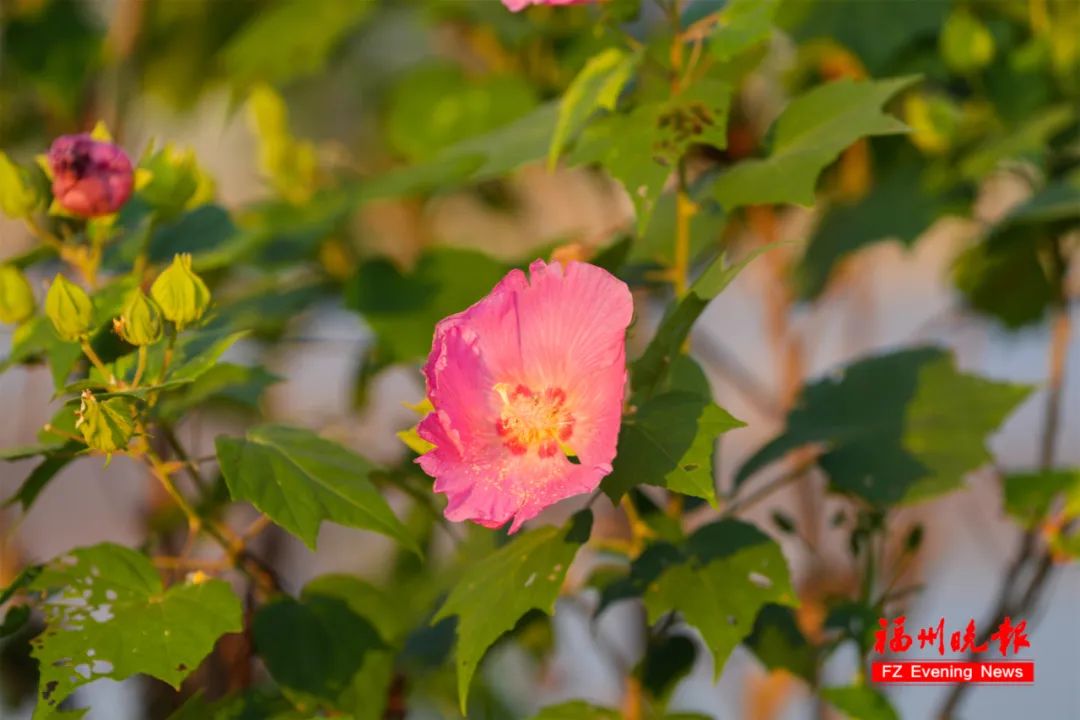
{"x": 760, "y": 580}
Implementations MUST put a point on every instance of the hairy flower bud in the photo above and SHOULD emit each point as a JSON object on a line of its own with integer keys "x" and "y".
{"x": 90, "y": 177}
{"x": 181, "y": 294}
{"x": 69, "y": 308}
{"x": 140, "y": 321}
{"x": 16, "y": 295}
{"x": 105, "y": 426}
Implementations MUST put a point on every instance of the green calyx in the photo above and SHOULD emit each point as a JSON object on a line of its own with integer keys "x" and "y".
{"x": 70, "y": 309}
{"x": 181, "y": 294}
{"x": 140, "y": 322}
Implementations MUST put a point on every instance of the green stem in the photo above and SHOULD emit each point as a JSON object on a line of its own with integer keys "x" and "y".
{"x": 95, "y": 360}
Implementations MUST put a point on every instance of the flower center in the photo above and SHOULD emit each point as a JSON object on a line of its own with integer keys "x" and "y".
{"x": 534, "y": 419}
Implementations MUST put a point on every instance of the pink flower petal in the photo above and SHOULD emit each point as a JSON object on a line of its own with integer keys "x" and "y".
{"x": 534, "y": 369}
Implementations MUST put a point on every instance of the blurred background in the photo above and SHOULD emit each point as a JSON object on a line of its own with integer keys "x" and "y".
{"x": 283, "y": 103}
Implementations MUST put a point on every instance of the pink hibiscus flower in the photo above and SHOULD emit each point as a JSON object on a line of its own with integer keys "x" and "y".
{"x": 527, "y": 386}
{"x": 90, "y": 177}
{"x": 516, "y": 5}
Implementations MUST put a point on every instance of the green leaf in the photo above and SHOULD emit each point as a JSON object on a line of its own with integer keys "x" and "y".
{"x": 809, "y": 135}
{"x": 484, "y": 157}
{"x": 197, "y": 354}
{"x": 1031, "y": 139}
{"x": 525, "y": 574}
{"x": 596, "y": 87}
{"x": 577, "y": 710}
{"x": 667, "y": 661}
{"x": 652, "y": 367}
{"x": 860, "y": 702}
{"x": 111, "y": 617}
{"x": 642, "y": 148}
{"x": 623, "y": 145}
{"x": 42, "y": 474}
{"x": 299, "y": 479}
{"x": 1058, "y": 201}
{"x": 18, "y": 196}
{"x": 333, "y": 656}
{"x": 1029, "y": 497}
{"x": 403, "y": 308}
{"x": 669, "y": 442}
{"x": 925, "y": 428}
{"x": 734, "y": 570}
{"x": 778, "y": 643}
{"x": 846, "y": 21}
{"x": 223, "y": 382}
{"x": 435, "y": 106}
{"x": 1004, "y": 276}
{"x": 253, "y": 704}
{"x": 897, "y": 206}
{"x": 291, "y": 40}
{"x": 742, "y": 25}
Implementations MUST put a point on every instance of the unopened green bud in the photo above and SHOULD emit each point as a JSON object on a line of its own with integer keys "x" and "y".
{"x": 967, "y": 45}
{"x": 105, "y": 426}
{"x": 181, "y": 294}
{"x": 69, "y": 308}
{"x": 16, "y": 295}
{"x": 140, "y": 321}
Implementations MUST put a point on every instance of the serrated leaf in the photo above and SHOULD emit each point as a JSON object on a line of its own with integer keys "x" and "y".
{"x": 493, "y": 594}
{"x": 810, "y": 134}
{"x": 651, "y": 368}
{"x": 860, "y": 702}
{"x": 111, "y": 617}
{"x": 734, "y": 570}
{"x": 299, "y": 480}
{"x": 596, "y": 87}
{"x": 669, "y": 442}
{"x": 925, "y": 428}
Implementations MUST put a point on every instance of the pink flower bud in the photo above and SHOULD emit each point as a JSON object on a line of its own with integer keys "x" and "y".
{"x": 90, "y": 178}
{"x": 516, "y": 5}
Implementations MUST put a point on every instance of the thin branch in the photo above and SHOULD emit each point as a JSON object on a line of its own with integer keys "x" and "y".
{"x": 1009, "y": 600}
